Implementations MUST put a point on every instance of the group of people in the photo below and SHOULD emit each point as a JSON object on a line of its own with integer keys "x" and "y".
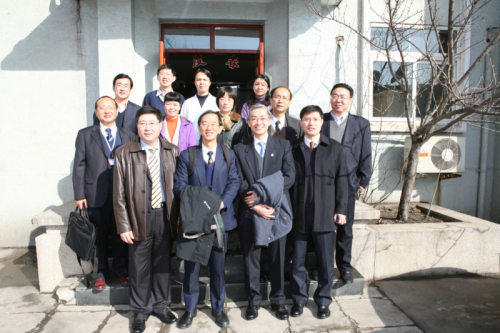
{"x": 188, "y": 169}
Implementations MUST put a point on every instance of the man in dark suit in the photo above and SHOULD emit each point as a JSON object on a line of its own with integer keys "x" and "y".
{"x": 319, "y": 201}
{"x": 211, "y": 169}
{"x": 165, "y": 76}
{"x": 122, "y": 86}
{"x": 354, "y": 133}
{"x": 93, "y": 185}
{"x": 146, "y": 216}
{"x": 261, "y": 157}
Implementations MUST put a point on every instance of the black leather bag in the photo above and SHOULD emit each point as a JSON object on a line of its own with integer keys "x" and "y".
{"x": 82, "y": 234}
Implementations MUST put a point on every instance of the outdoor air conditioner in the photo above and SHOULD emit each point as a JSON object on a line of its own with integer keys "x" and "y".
{"x": 445, "y": 154}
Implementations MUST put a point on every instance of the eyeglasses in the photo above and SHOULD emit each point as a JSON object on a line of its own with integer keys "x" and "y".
{"x": 119, "y": 85}
{"x": 255, "y": 119}
{"x": 165, "y": 75}
{"x": 103, "y": 108}
{"x": 145, "y": 123}
{"x": 341, "y": 97}
{"x": 278, "y": 97}
{"x": 204, "y": 124}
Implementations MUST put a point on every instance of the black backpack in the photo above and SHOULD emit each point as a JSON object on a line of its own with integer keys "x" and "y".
{"x": 193, "y": 156}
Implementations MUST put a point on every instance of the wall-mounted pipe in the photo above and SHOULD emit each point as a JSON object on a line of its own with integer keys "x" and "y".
{"x": 340, "y": 43}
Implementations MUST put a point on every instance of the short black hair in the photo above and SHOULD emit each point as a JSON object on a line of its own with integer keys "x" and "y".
{"x": 123, "y": 76}
{"x": 343, "y": 85}
{"x": 204, "y": 71}
{"x": 272, "y": 91}
{"x": 230, "y": 92}
{"x": 111, "y": 98}
{"x": 166, "y": 66}
{"x": 310, "y": 109}
{"x": 148, "y": 109}
{"x": 210, "y": 112}
{"x": 172, "y": 96}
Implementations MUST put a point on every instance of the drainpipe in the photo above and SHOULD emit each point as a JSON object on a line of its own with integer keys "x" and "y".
{"x": 340, "y": 43}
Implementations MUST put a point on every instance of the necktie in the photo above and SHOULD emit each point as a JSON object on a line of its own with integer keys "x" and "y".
{"x": 154, "y": 170}
{"x": 210, "y": 161}
{"x": 278, "y": 126}
{"x": 110, "y": 138}
{"x": 311, "y": 144}
{"x": 262, "y": 149}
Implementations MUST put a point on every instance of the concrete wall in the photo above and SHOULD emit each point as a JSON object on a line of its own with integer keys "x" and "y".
{"x": 47, "y": 81}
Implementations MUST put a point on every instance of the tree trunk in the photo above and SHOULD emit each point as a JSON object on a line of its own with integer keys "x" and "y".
{"x": 409, "y": 181}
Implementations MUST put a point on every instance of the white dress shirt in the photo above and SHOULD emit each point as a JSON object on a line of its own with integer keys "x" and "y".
{"x": 145, "y": 147}
{"x": 205, "y": 151}
{"x": 341, "y": 119}
{"x": 308, "y": 142}
{"x": 122, "y": 107}
{"x": 103, "y": 129}
{"x": 256, "y": 143}
{"x": 282, "y": 122}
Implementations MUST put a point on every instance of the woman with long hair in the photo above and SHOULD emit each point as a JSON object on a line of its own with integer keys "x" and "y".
{"x": 235, "y": 129}
{"x": 261, "y": 88}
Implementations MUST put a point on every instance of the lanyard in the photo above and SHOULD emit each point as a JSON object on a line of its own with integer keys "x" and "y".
{"x": 114, "y": 143}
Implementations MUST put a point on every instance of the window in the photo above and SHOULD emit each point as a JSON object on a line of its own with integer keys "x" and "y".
{"x": 387, "y": 99}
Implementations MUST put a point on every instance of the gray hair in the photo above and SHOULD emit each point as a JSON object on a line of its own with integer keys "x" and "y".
{"x": 259, "y": 106}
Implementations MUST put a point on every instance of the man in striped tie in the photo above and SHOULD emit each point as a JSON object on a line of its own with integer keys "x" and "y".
{"x": 146, "y": 216}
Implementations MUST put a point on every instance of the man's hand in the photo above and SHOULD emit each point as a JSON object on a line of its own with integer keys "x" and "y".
{"x": 81, "y": 202}
{"x": 265, "y": 211}
{"x": 127, "y": 237}
{"x": 250, "y": 199}
{"x": 339, "y": 219}
{"x": 221, "y": 205}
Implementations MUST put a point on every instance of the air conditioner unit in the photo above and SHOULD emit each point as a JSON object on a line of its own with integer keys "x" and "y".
{"x": 445, "y": 154}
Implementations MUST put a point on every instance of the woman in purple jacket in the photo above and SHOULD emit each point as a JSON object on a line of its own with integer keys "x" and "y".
{"x": 174, "y": 127}
{"x": 261, "y": 88}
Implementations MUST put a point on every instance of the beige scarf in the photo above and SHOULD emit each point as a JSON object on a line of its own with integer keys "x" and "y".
{"x": 175, "y": 141}
{"x": 226, "y": 121}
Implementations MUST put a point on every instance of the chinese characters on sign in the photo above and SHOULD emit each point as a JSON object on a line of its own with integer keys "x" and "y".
{"x": 232, "y": 63}
{"x": 198, "y": 60}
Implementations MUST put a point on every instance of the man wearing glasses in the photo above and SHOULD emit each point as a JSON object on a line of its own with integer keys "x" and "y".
{"x": 165, "y": 76}
{"x": 283, "y": 126}
{"x": 93, "y": 185}
{"x": 261, "y": 157}
{"x": 146, "y": 216}
{"x": 354, "y": 133}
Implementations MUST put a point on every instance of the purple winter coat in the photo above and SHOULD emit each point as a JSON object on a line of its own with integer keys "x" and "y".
{"x": 187, "y": 136}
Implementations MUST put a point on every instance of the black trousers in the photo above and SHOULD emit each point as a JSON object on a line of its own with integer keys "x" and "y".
{"x": 149, "y": 269}
{"x": 323, "y": 246}
{"x": 104, "y": 219}
{"x": 251, "y": 258}
{"x": 344, "y": 239}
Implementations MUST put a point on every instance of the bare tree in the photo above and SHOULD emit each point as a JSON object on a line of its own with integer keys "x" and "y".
{"x": 444, "y": 96}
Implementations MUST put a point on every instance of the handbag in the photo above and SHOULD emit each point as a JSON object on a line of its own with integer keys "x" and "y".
{"x": 81, "y": 237}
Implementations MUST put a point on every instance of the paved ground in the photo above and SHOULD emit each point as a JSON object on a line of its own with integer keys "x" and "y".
{"x": 465, "y": 304}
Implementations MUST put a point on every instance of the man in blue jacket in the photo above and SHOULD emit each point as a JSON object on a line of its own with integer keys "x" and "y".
{"x": 211, "y": 169}
{"x": 354, "y": 133}
{"x": 165, "y": 76}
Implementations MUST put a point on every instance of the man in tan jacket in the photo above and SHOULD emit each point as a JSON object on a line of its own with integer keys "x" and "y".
{"x": 146, "y": 216}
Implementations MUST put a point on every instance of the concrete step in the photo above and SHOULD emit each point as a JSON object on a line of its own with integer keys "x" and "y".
{"x": 115, "y": 294}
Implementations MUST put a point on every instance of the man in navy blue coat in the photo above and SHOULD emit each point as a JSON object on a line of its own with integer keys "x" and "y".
{"x": 354, "y": 133}
{"x": 166, "y": 76}
{"x": 122, "y": 86}
{"x": 211, "y": 169}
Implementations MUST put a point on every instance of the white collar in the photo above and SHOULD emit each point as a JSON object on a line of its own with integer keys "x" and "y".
{"x": 145, "y": 146}
{"x": 103, "y": 129}
{"x": 308, "y": 142}
{"x": 205, "y": 151}
{"x": 282, "y": 121}
{"x": 341, "y": 119}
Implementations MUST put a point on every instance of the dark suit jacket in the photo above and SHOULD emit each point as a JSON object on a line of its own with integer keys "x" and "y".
{"x": 330, "y": 185}
{"x": 90, "y": 169}
{"x": 128, "y": 120}
{"x": 278, "y": 157}
{"x": 293, "y": 128}
{"x": 357, "y": 149}
{"x": 223, "y": 183}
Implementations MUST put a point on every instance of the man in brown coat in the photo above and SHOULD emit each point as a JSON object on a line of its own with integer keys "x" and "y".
{"x": 146, "y": 216}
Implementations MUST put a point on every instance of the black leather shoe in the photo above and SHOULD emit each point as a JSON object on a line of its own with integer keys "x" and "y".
{"x": 281, "y": 311}
{"x": 297, "y": 310}
{"x": 221, "y": 318}
{"x": 347, "y": 278}
{"x": 252, "y": 312}
{"x": 323, "y": 312}
{"x": 138, "y": 326}
{"x": 186, "y": 320}
{"x": 167, "y": 317}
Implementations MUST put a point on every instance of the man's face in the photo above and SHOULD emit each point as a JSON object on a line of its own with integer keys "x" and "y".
{"x": 280, "y": 100}
{"x": 122, "y": 88}
{"x": 202, "y": 83}
{"x": 172, "y": 109}
{"x": 311, "y": 124}
{"x": 148, "y": 128}
{"x": 340, "y": 101}
{"x": 259, "y": 121}
{"x": 209, "y": 127}
{"x": 166, "y": 78}
{"x": 106, "y": 111}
